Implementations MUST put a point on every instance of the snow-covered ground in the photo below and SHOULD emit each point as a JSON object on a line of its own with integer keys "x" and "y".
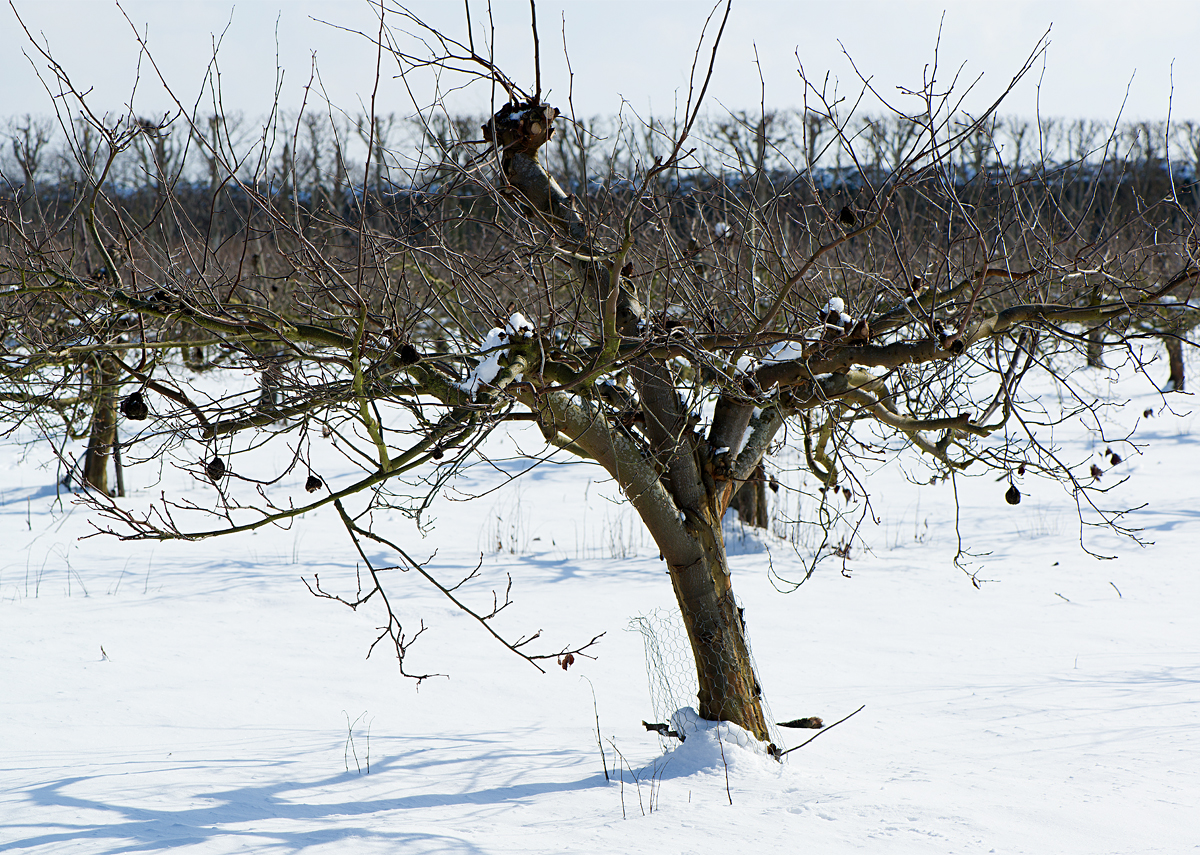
{"x": 197, "y": 697}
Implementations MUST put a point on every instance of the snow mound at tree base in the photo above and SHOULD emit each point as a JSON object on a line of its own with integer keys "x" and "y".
{"x": 713, "y": 745}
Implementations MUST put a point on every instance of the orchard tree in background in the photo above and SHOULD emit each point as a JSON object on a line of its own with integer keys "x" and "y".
{"x": 848, "y": 287}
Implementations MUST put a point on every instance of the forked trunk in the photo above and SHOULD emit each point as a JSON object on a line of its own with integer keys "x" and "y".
{"x": 687, "y": 531}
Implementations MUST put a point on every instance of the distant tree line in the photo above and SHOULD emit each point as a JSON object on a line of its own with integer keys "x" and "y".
{"x": 313, "y": 166}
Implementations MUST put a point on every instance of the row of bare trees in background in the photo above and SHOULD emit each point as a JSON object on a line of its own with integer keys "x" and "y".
{"x": 315, "y": 162}
{"x": 320, "y": 149}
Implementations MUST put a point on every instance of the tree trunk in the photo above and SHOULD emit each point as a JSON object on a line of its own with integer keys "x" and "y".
{"x": 750, "y": 500}
{"x": 674, "y": 493}
{"x": 688, "y": 534}
{"x": 118, "y": 467}
{"x": 729, "y": 688}
{"x": 1175, "y": 355}
{"x": 103, "y": 431}
{"x": 1095, "y": 349}
{"x": 1095, "y": 338}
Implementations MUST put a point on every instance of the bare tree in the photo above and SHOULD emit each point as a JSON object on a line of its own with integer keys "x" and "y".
{"x": 29, "y": 137}
{"x": 895, "y": 303}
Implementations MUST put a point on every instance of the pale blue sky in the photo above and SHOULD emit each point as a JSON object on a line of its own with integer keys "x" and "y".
{"x": 637, "y": 51}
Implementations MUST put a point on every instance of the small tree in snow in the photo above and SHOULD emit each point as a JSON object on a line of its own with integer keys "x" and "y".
{"x": 672, "y": 324}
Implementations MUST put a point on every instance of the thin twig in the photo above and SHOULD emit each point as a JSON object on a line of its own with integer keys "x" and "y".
{"x": 721, "y": 745}
{"x": 599, "y": 743}
{"x": 825, "y": 730}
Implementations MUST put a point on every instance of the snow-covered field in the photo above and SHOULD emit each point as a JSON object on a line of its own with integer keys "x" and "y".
{"x": 197, "y": 697}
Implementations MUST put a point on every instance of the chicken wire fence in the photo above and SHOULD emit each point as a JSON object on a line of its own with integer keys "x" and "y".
{"x": 671, "y": 670}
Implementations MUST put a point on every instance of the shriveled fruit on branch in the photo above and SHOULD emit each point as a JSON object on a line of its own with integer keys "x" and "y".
{"x": 567, "y": 661}
{"x": 313, "y": 484}
{"x": 1013, "y": 496}
{"x": 134, "y": 407}
{"x": 215, "y": 469}
{"x": 409, "y": 354}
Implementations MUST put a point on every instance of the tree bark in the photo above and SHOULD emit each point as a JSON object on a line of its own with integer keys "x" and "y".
{"x": 103, "y": 431}
{"x": 1175, "y": 356}
{"x": 1095, "y": 338}
{"x": 750, "y": 500}
{"x": 729, "y": 689}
